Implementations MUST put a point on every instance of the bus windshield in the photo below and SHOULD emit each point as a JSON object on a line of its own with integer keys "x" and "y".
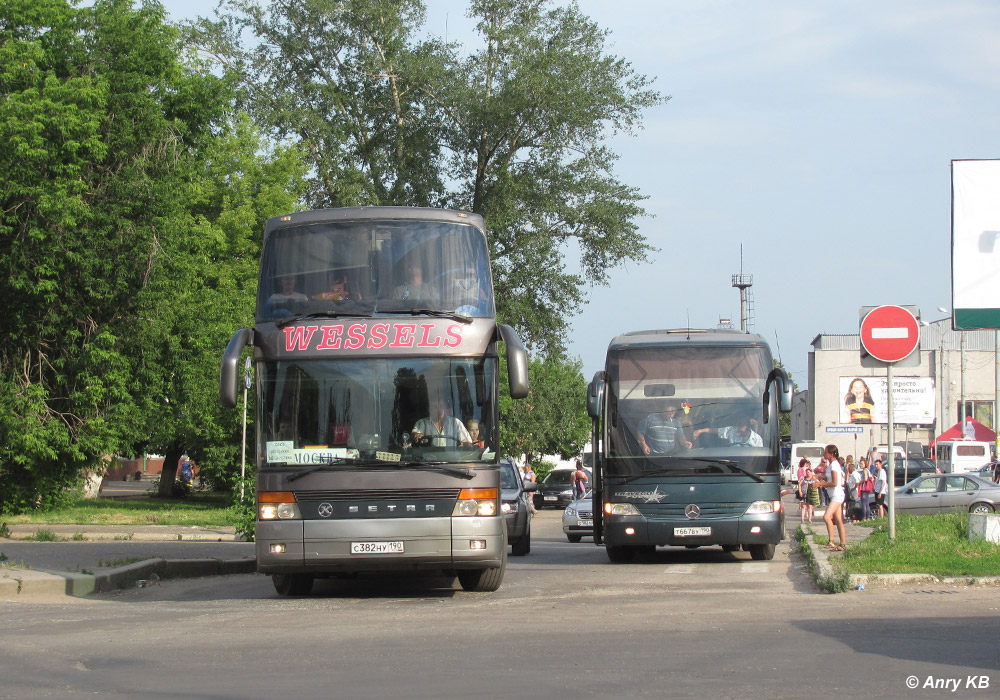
{"x": 377, "y": 411}
{"x": 368, "y": 267}
{"x": 689, "y": 410}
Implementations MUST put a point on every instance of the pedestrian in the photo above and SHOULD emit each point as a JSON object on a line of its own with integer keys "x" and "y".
{"x": 579, "y": 481}
{"x": 866, "y": 489}
{"x": 802, "y": 488}
{"x": 529, "y": 476}
{"x": 852, "y": 504}
{"x": 820, "y": 473}
{"x": 881, "y": 488}
{"x": 812, "y": 493}
{"x": 834, "y": 485}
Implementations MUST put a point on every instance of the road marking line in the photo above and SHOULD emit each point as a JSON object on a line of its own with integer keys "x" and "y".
{"x": 680, "y": 569}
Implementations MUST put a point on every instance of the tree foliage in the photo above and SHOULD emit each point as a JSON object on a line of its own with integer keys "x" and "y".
{"x": 515, "y": 131}
{"x": 553, "y": 418}
{"x": 121, "y": 238}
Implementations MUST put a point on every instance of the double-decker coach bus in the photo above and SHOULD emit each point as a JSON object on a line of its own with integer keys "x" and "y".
{"x": 375, "y": 351}
{"x": 686, "y": 443}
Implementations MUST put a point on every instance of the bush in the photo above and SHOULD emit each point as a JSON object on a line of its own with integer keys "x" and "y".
{"x": 243, "y": 514}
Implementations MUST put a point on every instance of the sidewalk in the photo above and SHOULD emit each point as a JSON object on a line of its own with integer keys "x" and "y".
{"x": 89, "y": 559}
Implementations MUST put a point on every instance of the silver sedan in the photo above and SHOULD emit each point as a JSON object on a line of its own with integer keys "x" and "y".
{"x": 934, "y": 493}
{"x": 578, "y": 518}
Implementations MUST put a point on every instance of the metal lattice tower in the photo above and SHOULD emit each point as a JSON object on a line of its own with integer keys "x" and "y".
{"x": 744, "y": 283}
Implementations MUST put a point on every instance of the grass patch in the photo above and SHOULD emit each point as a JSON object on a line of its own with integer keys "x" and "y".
{"x": 925, "y": 544}
{"x": 43, "y": 536}
{"x": 125, "y": 561}
{"x": 200, "y": 509}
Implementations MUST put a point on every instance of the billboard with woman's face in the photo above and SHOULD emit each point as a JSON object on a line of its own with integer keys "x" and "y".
{"x": 865, "y": 400}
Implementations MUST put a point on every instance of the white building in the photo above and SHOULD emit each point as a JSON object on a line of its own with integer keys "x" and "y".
{"x": 927, "y": 400}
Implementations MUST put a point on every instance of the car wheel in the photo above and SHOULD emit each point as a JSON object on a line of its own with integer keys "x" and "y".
{"x": 730, "y": 548}
{"x": 981, "y": 508}
{"x": 574, "y": 538}
{"x": 523, "y": 545}
{"x": 292, "y": 584}
{"x": 764, "y": 552}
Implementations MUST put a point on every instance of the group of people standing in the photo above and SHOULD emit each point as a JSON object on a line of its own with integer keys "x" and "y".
{"x": 839, "y": 485}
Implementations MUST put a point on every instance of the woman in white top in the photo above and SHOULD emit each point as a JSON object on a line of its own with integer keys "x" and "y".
{"x": 834, "y": 515}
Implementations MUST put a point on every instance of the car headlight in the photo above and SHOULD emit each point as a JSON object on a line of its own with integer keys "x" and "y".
{"x": 567, "y": 492}
{"x": 570, "y": 510}
{"x": 508, "y": 507}
{"x": 762, "y": 507}
{"x": 620, "y": 509}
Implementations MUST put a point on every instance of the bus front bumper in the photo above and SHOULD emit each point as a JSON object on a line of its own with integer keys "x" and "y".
{"x": 745, "y": 530}
{"x": 332, "y": 546}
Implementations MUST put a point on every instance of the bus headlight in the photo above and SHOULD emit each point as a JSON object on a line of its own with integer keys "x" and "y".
{"x": 472, "y": 502}
{"x": 620, "y": 509}
{"x": 764, "y": 507}
{"x": 277, "y": 505}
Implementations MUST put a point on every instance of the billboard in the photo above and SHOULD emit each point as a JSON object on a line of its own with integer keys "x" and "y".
{"x": 865, "y": 400}
{"x": 975, "y": 244}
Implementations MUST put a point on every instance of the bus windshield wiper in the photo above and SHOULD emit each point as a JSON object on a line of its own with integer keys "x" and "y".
{"x": 461, "y": 318}
{"x": 733, "y": 465}
{"x": 336, "y": 462}
{"x": 443, "y": 466}
{"x": 320, "y": 314}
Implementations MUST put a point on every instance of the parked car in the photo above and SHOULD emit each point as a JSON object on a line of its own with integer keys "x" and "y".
{"x": 910, "y": 468}
{"x": 514, "y": 504}
{"x": 935, "y": 493}
{"x": 578, "y": 518}
{"x": 556, "y": 489}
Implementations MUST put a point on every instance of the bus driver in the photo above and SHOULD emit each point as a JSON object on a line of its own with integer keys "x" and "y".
{"x": 440, "y": 428}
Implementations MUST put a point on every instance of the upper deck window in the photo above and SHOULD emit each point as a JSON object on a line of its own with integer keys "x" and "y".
{"x": 375, "y": 267}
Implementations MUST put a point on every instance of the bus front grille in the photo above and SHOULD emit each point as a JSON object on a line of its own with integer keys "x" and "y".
{"x": 377, "y": 494}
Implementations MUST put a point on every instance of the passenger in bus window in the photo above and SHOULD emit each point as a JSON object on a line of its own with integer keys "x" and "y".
{"x": 339, "y": 290}
{"x": 287, "y": 297}
{"x": 738, "y": 434}
{"x": 440, "y": 428}
{"x": 661, "y": 432}
{"x": 413, "y": 286}
{"x": 472, "y": 426}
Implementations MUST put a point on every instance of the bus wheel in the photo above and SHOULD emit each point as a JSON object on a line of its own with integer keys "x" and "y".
{"x": 762, "y": 551}
{"x": 484, "y": 580}
{"x": 620, "y": 555}
{"x": 292, "y": 584}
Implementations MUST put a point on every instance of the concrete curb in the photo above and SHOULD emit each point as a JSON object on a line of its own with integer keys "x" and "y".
{"x": 145, "y": 533}
{"x": 823, "y": 569}
{"x": 19, "y": 584}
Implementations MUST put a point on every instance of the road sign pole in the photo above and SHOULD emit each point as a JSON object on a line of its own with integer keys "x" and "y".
{"x": 891, "y": 472}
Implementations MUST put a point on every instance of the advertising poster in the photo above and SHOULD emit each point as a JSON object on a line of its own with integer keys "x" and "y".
{"x": 865, "y": 400}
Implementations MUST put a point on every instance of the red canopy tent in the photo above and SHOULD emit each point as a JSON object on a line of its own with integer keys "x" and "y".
{"x": 979, "y": 432}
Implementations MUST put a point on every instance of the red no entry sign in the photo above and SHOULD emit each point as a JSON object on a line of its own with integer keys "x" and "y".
{"x": 889, "y": 333}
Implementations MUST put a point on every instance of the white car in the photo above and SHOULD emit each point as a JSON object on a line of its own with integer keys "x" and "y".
{"x": 578, "y": 518}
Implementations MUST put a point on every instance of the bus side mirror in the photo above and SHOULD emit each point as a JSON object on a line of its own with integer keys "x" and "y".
{"x": 229, "y": 371}
{"x": 517, "y": 362}
{"x": 780, "y": 377}
{"x": 595, "y": 395}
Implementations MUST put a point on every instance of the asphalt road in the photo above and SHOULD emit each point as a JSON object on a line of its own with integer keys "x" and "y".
{"x": 565, "y": 624}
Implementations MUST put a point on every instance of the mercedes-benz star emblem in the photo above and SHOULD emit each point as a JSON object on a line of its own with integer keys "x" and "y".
{"x": 325, "y": 510}
{"x": 692, "y": 511}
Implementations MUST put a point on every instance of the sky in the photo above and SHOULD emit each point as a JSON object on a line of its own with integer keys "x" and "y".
{"x": 806, "y": 144}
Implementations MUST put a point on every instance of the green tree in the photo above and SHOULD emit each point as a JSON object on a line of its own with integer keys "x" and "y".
{"x": 553, "y": 418}
{"x": 117, "y": 210}
{"x": 516, "y": 131}
{"x": 530, "y": 113}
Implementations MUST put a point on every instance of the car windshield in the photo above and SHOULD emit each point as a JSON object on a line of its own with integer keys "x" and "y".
{"x": 396, "y": 412}
{"x": 560, "y": 476}
{"x": 508, "y": 480}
